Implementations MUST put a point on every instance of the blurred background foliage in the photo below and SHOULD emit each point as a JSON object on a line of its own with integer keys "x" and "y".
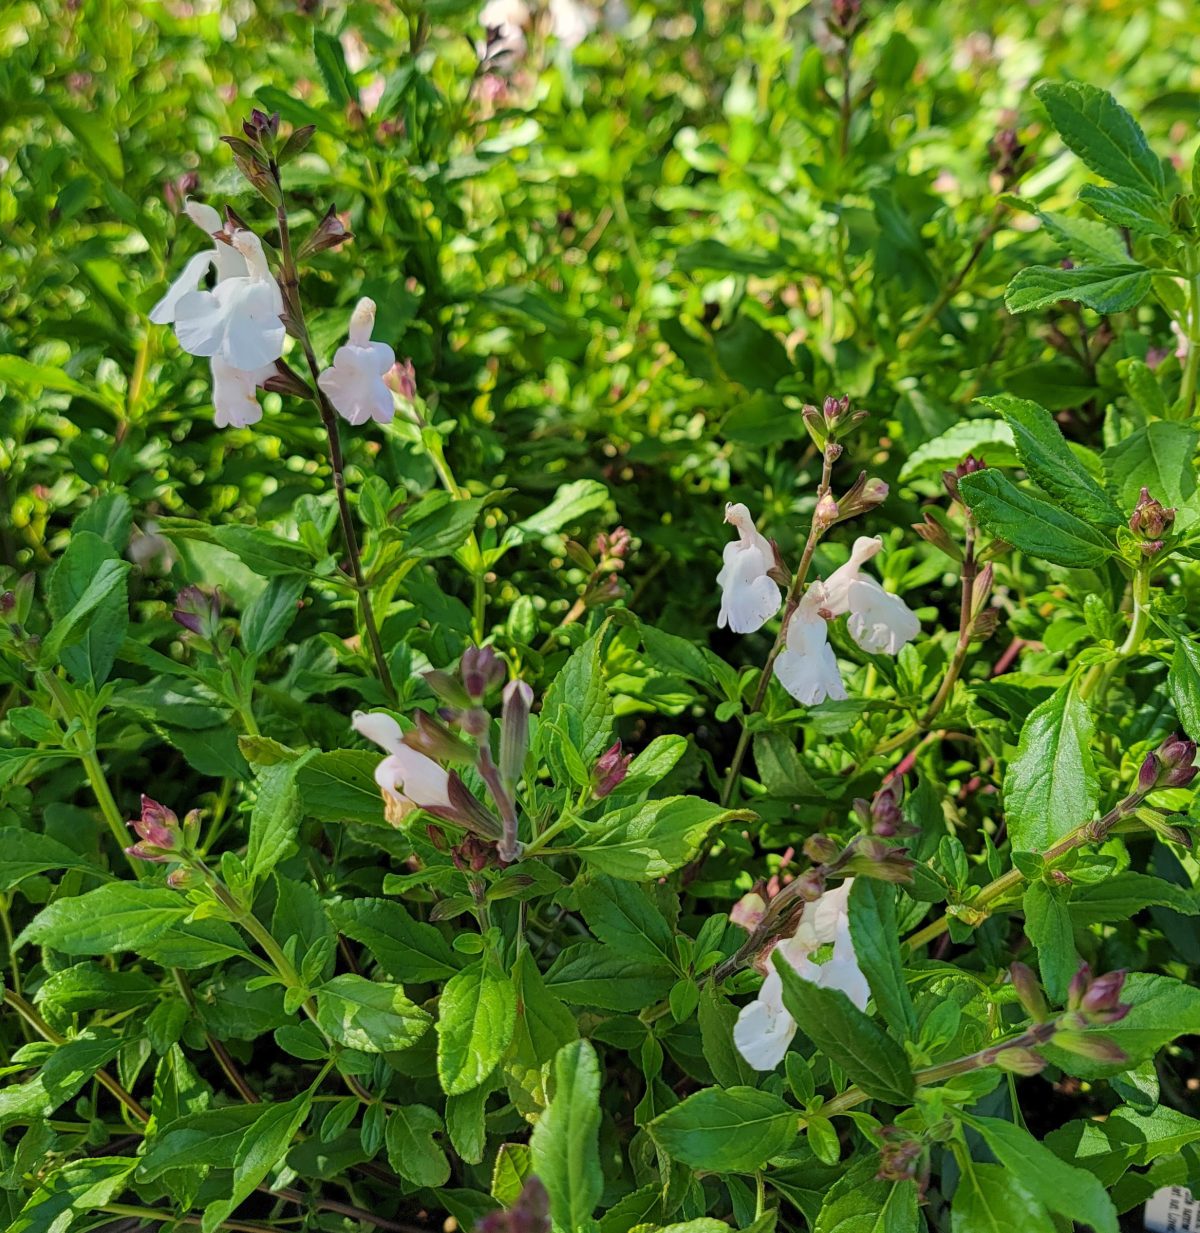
{"x": 633, "y": 262}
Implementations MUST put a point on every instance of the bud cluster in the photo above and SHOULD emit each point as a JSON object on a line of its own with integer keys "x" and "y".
{"x": 606, "y": 559}
{"x": 882, "y": 815}
{"x": 1171, "y": 765}
{"x": 969, "y": 466}
{"x": 162, "y": 838}
{"x": 1151, "y": 523}
{"x": 832, "y": 422}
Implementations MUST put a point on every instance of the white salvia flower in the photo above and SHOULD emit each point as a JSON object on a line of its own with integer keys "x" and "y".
{"x": 409, "y": 779}
{"x": 354, "y": 382}
{"x": 505, "y": 23}
{"x": 570, "y": 22}
{"x": 229, "y": 262}
{"x": 749, "y": 596}
{"x": 880, "y": 622}
{"x": 807, "y": 667}
{"x": 235, "y": 402}
{"x": 764, "y": 1027}
{"x": 239, "y": 319}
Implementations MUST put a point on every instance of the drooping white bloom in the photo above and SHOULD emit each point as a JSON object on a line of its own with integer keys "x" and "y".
{"x": 749, "y": 595}
{"x": 807, "y": 667}
{"x": 235, "y": 402}
{"x": 228, "y": 261}
{"x": 240, "y": 318}
{"x": 354, "y": 382}
{"x": 764, "y": 1027}
{"x": 571, "y": 22}
{"x": 880, "y": 622}
{"x": 409, "y": 779}
{"x": 505, "y": 23}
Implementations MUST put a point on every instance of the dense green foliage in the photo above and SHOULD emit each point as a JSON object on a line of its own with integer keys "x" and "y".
{"x": 636, "y": 279}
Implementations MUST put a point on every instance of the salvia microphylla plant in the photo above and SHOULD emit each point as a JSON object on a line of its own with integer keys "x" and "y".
{"x": 357, "y": 870}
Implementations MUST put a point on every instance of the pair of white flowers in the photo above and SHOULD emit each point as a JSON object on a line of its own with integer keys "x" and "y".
{"x": 238, "y": 326}
{"x": 878, "y": 621}
{"x": 764, "y": 1027}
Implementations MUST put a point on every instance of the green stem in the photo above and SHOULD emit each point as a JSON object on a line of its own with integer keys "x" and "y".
{"x": 998, "y": 888}
{"x": 1099, "y": 675}
{"x": 1191, "y": 367}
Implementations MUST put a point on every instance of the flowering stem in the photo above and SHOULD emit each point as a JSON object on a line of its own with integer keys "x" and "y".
{"x": 1191, "y": 367}
{"x": 1039, "y": 1034}
{"x": 998, "y": 888}
{"x": 1100, "y": 674}
{"x": 291, "y": 297}
{"x": 509, "y": 847}
{"x": 790, "y": 605}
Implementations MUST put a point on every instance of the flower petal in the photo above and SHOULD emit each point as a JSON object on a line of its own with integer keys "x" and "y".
{"x": 163, "y": 313}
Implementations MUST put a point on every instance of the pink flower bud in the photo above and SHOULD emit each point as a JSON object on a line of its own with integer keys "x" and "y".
{"x": 749, "y": 911}
{"x": 514, "y": 730}
{"x": 401, "y": 379}
{"x": 481, "y": 669}
{"x": 610, "y": 770}
{"x": 198, "y": 611}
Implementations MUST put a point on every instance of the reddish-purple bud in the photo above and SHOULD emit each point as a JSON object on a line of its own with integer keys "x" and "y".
{"x": 514, "y": 730}
{"x": 1079, "y": 986}
{"x": 1149, "y": 773}
{"x": 612, "y": 546}
{"x": 328, "y": 233}
{"x": 1150, "y": 519}
{"x": 1104, "y": 993}
{"x": 198, "y": 611}
{"x": 401, "y": 379}
{"x": 481, "y": 669}
{"x": 529, "y": 1214}
{"x": 899, "y": 1155}
{"x": 158, "y": 832}
{"x": 969, "y": 465}
{"x": 610, "y": 770}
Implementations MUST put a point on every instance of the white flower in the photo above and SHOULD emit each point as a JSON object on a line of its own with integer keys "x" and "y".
{"x": 409, "y": 779}
{"x": 505, "y": 23}
{"x": 807, "y": 667}
{"x": 749, "y": 596}
{"x": 881, "y": 623}
{"x": 570, "y": 22}
{"x": 229, "y": 262}
{"x": 354, "y": 383}
{"x": 764, "y": 1028}
{"x": 235, "y": 403}
{"x": 239, "y": 319}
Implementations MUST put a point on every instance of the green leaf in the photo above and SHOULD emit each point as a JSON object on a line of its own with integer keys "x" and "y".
{"x": 25, "y": 375}
{"x": 90, "y": 606}
{"x": 1103, "y": 134}
{"x": 991, "y": 438}
{"x": 331, "y": 62}
{"x": 577, "y": 702}
{"x": 1061, "y": 1188}
{"x": 589, "y": 974}
{"x": 26, "y": 853}
{"x": 876, "y": 938}
{"x": 209, "y": 1139}
{"x": 1123, "y": 894}
{"x": 59, "y": 1078}
{"x": 407, "y": 949}
{"x": 652, "y": 839}
{"x": 411, "y": 1147}
{"x": 1048, "y": 927}
{"x": 477, "y": 1015}
{"x": 123, "y": 916}
{"x": 1051, "y": 463}
{"x": 73, "y": 1192}
{"x": 565, "y": 1145}
{"x": 438, "y": 524}
{"x": 623, "y": 916}
{"x": 571, "y": 502}
{"x": 990, "y": 1199}
{"x": 368, "y": 1016}
{"x": 274, "y": 821}
{"x": 339, "y": 786}
{"x": 713, "y": 255}
{"x": 1031, "y": 524}
{"x": 1158, "y": 457}
{"x": 847, "y": 1037}
{"x": 1051, "y": 785}
{"x": 727, "y": 1130}
{"x": 866, "y": 1205}
{"x": 268, "y": 555}
{"x": 1104, "y": 288}
{"x": 264, "y": 1145}
{"x": 1184, "y": 684}
{"x": 271, "y": 614}
{"x": 543, "y": 1026}
{"x": 1127, "y": 207}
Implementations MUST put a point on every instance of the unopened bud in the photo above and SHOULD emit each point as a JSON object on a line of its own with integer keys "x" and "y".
{"x": 1020, "y": 1061}
{"x": 1104, "y": 993}
{"x": 899, "y": 1156}
{"x": 932, "y": 532}
{"x": 184, "y": 878}
{"x": 473, "y": 854}
{"x": 529, "y": 1214}
{"x": 1029, "y": 992}
{"x": 158, "y": 832}
{"x": 1006, "y": 150}
{"x": 1095, "y": 1048}
{"x": 514, "y": 730}
{"x": 481, "y": 669}
{"x": 969, "y": 465}
{"x": 401, "y": 379}
{"x": 1149, "y": 773}
{"x": 749, "y": 911}
{"x": 1150, "y": 519}
{"x": 809, "y": 886}
{"x": 198, "y": 612}
{"x": 436, "y": 741}
{"x": 821, "y": 850}
{"x": 612, "y": 546}
{"x": 875, "y": 859}
{"x": 285, "y": 380}
{"x": 178, "y": 190}
{"x": 448, "y": 688}
{"x": 610, "y": 770}
{"x": 328, "y": 233}
{"x": 826, "y": 513}
{"x": 886, "y": 816}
